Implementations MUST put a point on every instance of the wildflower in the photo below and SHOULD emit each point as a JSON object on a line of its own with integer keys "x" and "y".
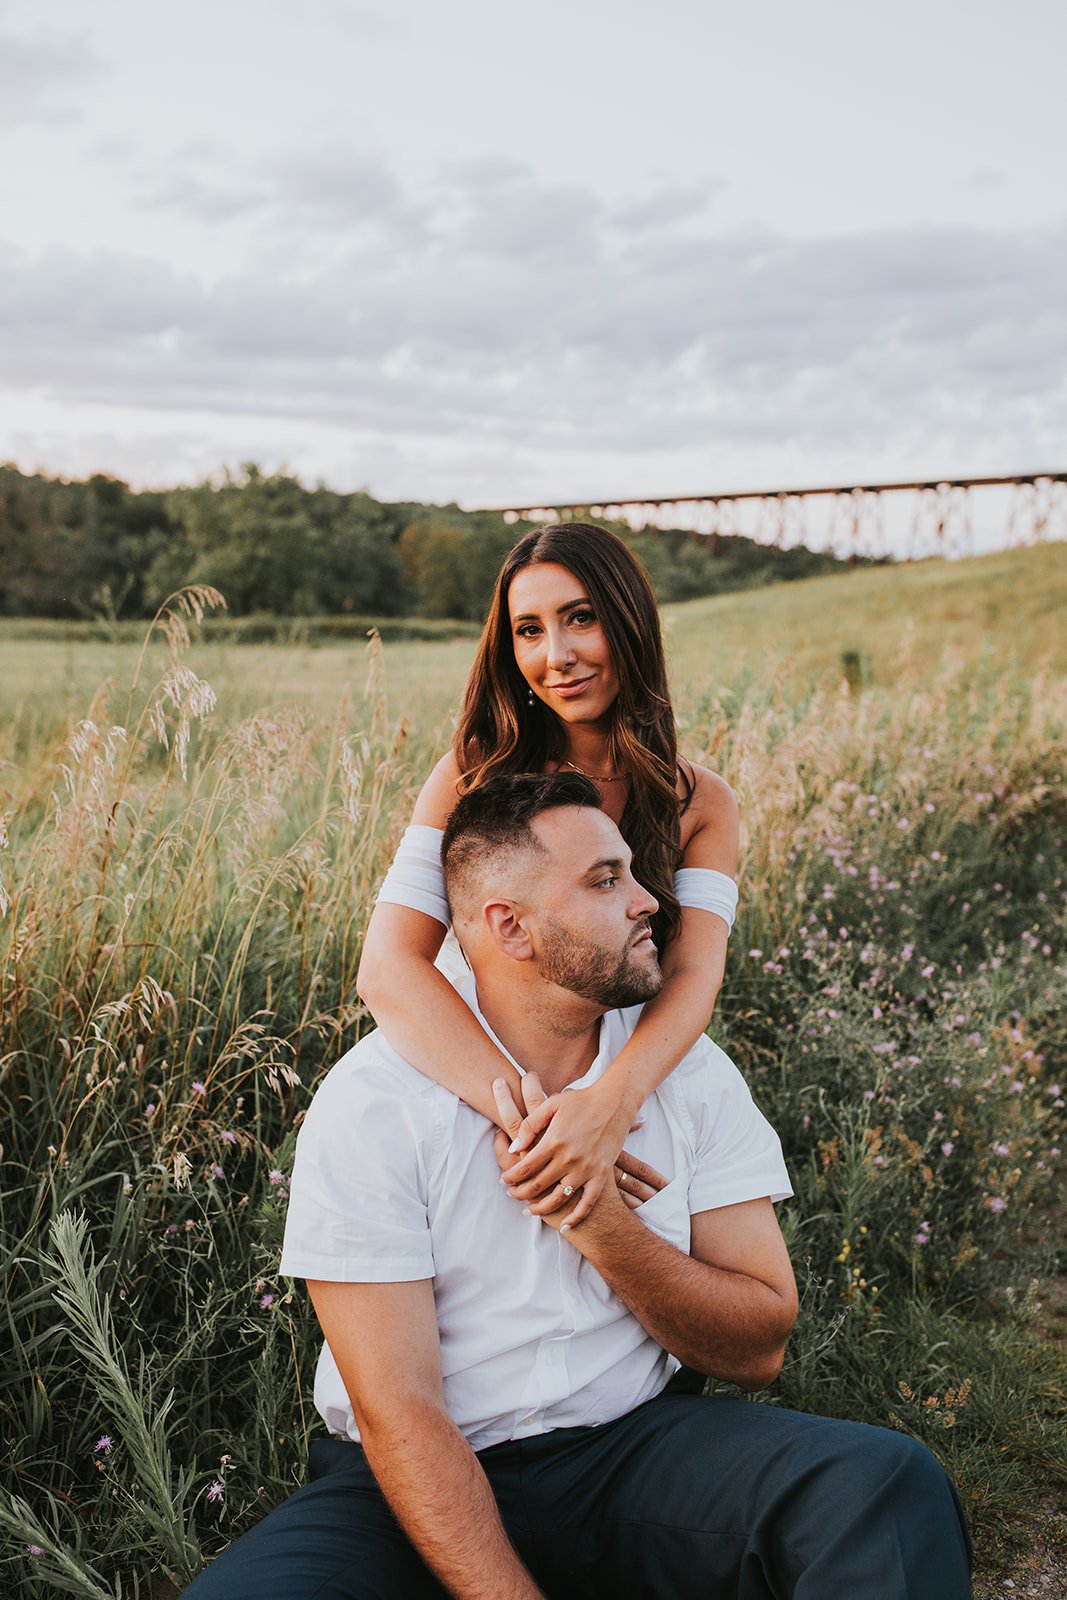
{"x": 105, "y": 1443}
{"x": 947, "y": 1148}
{"x": 903, "y": 825}
{"x": 266, "y": 1302}
{"x": 216, "y": 1491}
{"x": 34, "y": 1550}
{"x": 755, "y": 955}
{"x": 228, "y": 1136}
{"x": 928, "y": 969}
{"x": 217, "y": 1172}
{"x": 199, "y": 1088}
{"x": 997, "y": 1203}
{"x": 923, "y": 1235}
{"x": 275, "y": 1177}
{"x": 1001, "y": 1150}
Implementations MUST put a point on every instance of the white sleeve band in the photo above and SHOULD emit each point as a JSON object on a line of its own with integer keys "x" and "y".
{"x": 707, "y": 890}
{"x": 416, "y": 878}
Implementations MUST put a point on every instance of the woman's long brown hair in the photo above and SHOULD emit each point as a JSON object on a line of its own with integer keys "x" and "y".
{"x": 498, "y": 731}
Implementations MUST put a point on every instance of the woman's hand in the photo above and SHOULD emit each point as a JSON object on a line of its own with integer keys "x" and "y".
{"x": 576, "y": 1139}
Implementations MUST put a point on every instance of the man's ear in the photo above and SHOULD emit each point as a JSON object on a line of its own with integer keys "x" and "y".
{"x": 504, "y": 923}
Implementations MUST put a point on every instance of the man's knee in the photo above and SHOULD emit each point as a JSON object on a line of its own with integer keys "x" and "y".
{"x": 869, "y": 1469}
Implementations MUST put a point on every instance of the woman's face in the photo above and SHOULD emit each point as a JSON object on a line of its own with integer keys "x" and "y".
{"x": 560, "y": 647}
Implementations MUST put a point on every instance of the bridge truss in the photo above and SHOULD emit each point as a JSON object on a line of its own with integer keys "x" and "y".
{"x": 948, "y": 517}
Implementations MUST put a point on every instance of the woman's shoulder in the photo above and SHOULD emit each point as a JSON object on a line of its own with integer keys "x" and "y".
{"x": 438, "y": 795}
{"x": 711, "y": 815}
{"x": 709, "y": 794}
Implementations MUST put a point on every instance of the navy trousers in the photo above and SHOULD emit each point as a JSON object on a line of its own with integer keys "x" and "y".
{"x": 684, "y": 1497}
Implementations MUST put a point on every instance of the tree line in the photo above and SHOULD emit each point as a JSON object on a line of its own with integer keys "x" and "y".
{"x": 97, "y": 548}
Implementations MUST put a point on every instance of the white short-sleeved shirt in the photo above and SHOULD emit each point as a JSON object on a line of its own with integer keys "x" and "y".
{"x": 396, "y": 1180}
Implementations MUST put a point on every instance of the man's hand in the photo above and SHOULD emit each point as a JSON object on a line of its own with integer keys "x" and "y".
{"x": 635, "y": 1181}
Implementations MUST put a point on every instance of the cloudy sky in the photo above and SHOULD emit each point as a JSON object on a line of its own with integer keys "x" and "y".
{"x": 583, "y": 248}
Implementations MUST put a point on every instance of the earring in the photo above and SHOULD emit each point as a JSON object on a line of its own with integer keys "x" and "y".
{"x": 529, "y": 697}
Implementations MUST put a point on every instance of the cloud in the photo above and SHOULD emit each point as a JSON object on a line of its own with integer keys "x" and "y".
{"x": 666, "y": 206}
{"x": 36, "y": 75}
{"x": 486, "y": 304}
{"x": 986, "y": 178}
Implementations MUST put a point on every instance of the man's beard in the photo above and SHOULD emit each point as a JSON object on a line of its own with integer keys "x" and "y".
{"x": 602, "y": 976}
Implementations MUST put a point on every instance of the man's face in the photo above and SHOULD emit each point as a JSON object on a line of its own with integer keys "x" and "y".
{"x": 592, "y": 919}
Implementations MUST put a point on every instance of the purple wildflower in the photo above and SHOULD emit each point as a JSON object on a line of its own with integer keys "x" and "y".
{"x": 105, "y": 1443}
{"x": 228, "y": 1136}
{"x": 34, "y": 1550}
{"x": 997, "y": 1202}
{"x": 216, "y": 1491}
{"x": 266, "y": 1302}
{"x": 198, "y": 1087}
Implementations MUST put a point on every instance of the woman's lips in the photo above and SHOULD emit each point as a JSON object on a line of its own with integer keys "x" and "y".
{"x": 570, "y": 690}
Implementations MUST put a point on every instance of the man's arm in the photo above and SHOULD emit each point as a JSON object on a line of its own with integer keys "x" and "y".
{"x": 384, "y": 1339}
{"x": 726, "y": 1309}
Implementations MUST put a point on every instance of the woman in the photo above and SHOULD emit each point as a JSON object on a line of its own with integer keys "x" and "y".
{"x": 569, "y": 674}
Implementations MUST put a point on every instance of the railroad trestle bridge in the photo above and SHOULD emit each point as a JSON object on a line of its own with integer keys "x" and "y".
{"x": 949, "y": 517}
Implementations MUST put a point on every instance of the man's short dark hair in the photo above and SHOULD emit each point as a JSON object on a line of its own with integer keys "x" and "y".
{"x": 494, "y": 820}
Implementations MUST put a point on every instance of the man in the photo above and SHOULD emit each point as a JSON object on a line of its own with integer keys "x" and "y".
{"x": 522, "y": 1430}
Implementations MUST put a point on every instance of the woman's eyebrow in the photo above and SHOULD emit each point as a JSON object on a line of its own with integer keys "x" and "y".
{"x": 569, "y": 605}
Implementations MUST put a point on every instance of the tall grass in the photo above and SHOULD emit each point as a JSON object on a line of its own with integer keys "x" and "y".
{"x": 184, "y": 900}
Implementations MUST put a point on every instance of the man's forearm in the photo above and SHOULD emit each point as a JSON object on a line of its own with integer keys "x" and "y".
{"x": 723, "y": 1323}
{"x": 441, "y": 1497}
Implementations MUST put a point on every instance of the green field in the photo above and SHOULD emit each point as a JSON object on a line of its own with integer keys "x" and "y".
{"x": 183, "y": 890}
{"x": 1007, "y": 608}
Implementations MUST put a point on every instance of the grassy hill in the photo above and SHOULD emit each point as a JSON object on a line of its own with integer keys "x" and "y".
{"x": 1009, "y": 606}
{"x": 1006, "y": 608}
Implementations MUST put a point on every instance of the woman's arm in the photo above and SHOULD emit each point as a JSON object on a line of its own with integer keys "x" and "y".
{"x": 581, "y": 1133}
{"x": 414, "y": 1005}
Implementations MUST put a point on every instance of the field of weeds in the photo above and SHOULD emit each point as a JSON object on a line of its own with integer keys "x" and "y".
{"x": 184, "y": 883}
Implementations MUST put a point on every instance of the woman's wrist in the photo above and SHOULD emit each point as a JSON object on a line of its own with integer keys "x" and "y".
{"x": 625, "y": 1096}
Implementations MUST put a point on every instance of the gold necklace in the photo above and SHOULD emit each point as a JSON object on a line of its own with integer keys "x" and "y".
{"x": 617, "y": 777}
